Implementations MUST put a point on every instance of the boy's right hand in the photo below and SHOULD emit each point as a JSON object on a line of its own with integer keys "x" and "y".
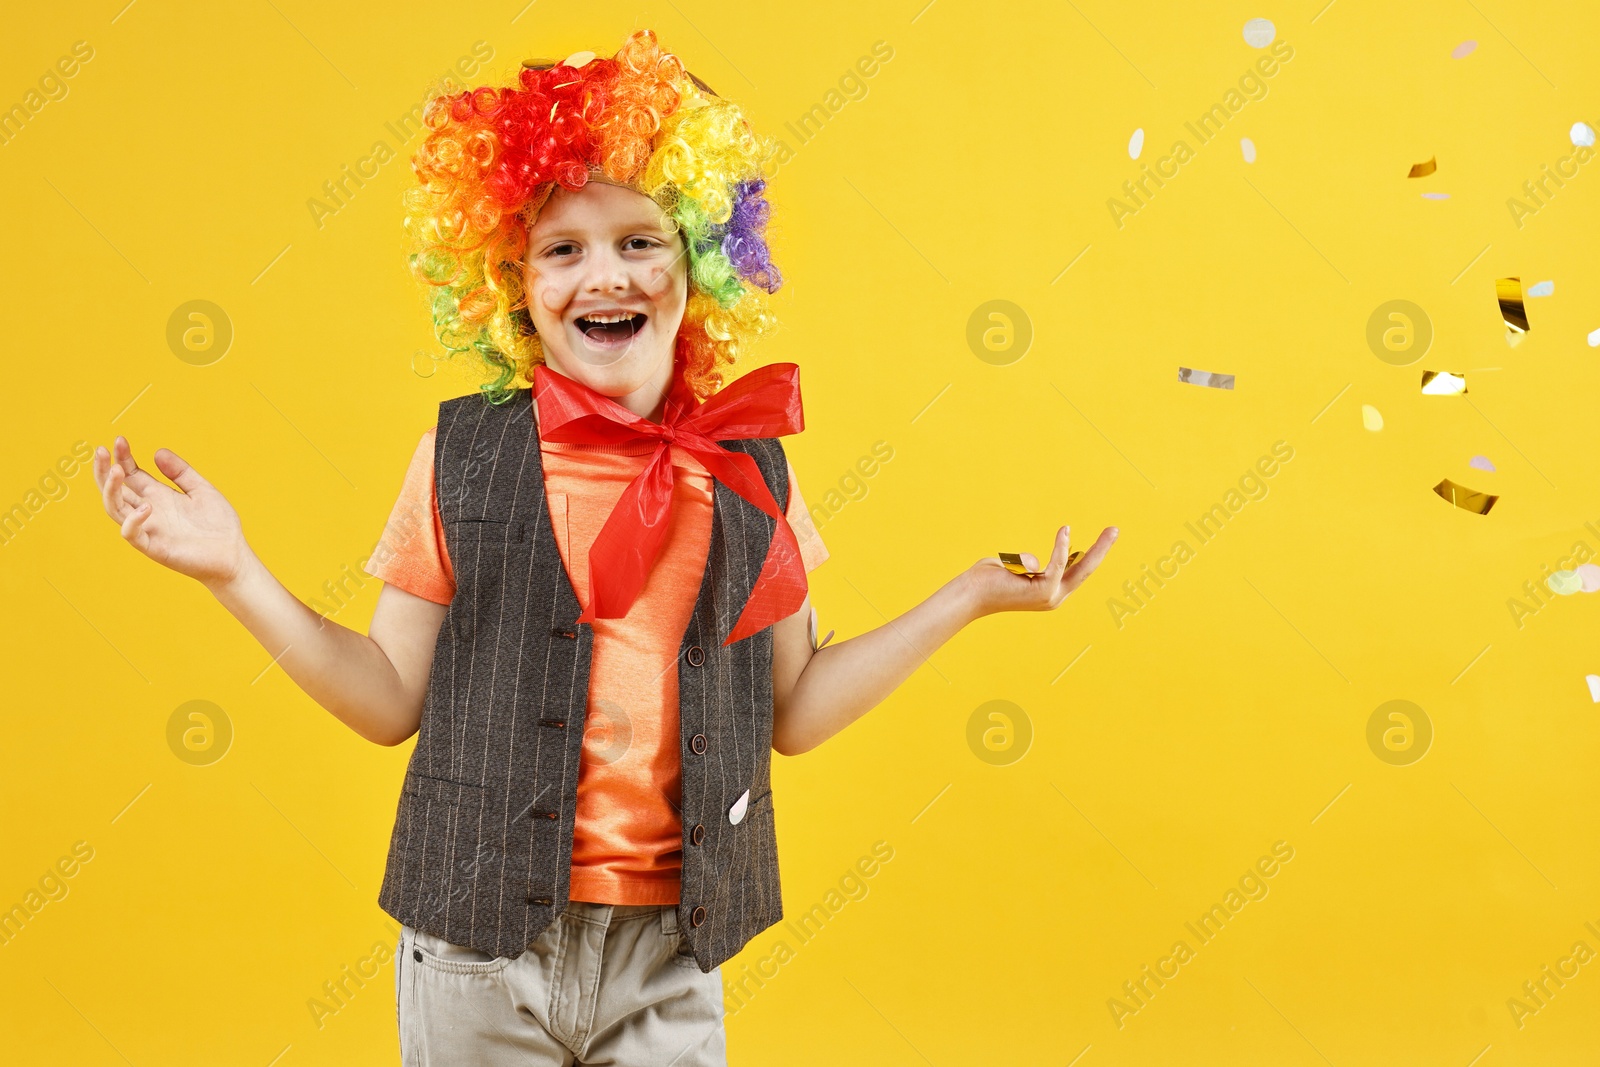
{"x": 194, "y": 532}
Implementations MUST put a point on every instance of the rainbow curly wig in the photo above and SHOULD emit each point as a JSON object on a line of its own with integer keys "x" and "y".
{"x": 493, "y": 156}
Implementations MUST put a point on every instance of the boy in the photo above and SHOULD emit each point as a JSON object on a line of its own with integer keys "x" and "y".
{"x": 594, "y": 615}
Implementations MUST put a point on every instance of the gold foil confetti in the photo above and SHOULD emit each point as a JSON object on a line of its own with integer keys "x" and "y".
{"x": 1422, "y": 170}
{"x": 1464, "y": 498}
{"x": 1509, "y": 293}
{"x": 1371, "y": 419}
{"x": 1205, "y": 377}
{"x": 1443, "y": 383}
{"x": 1012, "y": 562}
{"x": 1073, "y": 558}
{"x": 1565, "y": 582}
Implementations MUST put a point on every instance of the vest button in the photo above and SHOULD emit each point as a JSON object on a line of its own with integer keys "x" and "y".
{"x": 697, "y": 835}
{"x": 698, "y": 743}
{"x": 696, "y": 655}
{"x": 697, "y": 916}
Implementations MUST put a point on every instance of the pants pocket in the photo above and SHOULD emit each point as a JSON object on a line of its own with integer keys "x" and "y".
{"x": 435, "y": 953}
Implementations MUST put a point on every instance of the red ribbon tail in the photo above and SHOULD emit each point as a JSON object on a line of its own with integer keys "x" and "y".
{"x": 780, "y": 588}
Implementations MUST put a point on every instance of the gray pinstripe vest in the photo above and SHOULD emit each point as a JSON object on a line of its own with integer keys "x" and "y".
{"x": 482, "y": 847}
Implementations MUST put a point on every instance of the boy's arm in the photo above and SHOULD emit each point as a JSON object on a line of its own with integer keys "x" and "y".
{"x": 374, "y": 684}
{"x": 817, "y": 693}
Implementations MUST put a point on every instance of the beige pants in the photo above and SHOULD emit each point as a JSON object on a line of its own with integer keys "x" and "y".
{"x": 604, "y": 984}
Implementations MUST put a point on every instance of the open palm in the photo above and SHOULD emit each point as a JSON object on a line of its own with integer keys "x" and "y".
{"x": 191, "y": 529}
{"x": 997, "y": 589}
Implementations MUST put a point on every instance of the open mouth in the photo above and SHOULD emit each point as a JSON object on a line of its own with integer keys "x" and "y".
{"x": 611, "y": 329}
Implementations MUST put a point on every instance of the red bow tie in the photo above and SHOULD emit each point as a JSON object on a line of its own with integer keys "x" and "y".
{"x": 763, "y": 403}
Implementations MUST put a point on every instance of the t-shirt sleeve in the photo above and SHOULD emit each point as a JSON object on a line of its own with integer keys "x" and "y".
{"x": 411, "y": 553}
{"x": 812, "y": 550}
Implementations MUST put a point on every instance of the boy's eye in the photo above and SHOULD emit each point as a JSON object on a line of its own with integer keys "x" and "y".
{"x": 638, "y": 244}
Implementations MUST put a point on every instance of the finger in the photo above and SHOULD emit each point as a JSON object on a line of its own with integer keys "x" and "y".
{"x": 102, "y": 464}
{"x": 183, "y": 476}
{"x": 1029, "y": 560}
{"x": 116, "y": 496}
{"x": 1086, "y": 565}
{"x": 1058, "y": 557}
{"x": 138, "y": 479}
{"x": 134, "y": 523}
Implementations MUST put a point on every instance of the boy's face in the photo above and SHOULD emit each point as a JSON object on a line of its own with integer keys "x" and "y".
{"x": 597, "y": 252}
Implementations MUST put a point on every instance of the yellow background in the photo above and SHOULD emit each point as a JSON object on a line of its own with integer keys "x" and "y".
{"x": 1223, "y": 717}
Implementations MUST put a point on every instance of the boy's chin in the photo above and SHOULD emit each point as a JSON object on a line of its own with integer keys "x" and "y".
{"x": 609, "y": 374}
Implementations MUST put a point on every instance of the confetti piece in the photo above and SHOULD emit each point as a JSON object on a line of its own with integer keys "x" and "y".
{"x": 1205, "y": 377}
{"x": 1464, "y": 498}
{"x": 1594, "y": 339}
{"x": 1371, "y": 419}
{"x": 1248, "y": 147}
{"x": 825, "y": 640}
{"x": 1513, "y": 338}
{"x": 578, "y": 59}
{"x": 1565, "y": 582}
{"x": 1464, "y": 49}
{"x": 1594, "y": 686}
{"x": 1582, "y": 135}
{"x": 1012, "y": 561}
{"x": 1258, "y": 33}
{"x": 1443, "y": 383}
{"x": 1481, "y": 463}
{"x": 1542, "y": 289}
{"x": 1509, "y": 292}
{"x": 1422, "y": 170}
{"x": 1590, "y": 573}
{"x": 1436, "y": 196}
{"x": 1136, "y": 143}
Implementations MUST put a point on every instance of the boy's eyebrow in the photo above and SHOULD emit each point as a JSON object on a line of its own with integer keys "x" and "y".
{"x": 637, "y": 227}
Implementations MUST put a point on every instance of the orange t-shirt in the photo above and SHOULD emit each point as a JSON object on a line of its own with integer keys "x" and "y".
{"x": 627, "y": 845}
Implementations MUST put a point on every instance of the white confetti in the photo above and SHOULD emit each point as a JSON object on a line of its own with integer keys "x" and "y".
{"x": 736, "y": 813}
{"x": 1582, "y": 134}
{"x": 1371, "y": 419}
{"x": 1542, "y": 289}
{"x": 1258, "y": 33}
{"x": 1594, "y": 339}
{"x": 1136, "y": 143}
{"x": 1248, "y": 147}
{"x": 1594, "y": 687}
{"x": 1436, "y": 196}
{"x": 1481, "y": 463}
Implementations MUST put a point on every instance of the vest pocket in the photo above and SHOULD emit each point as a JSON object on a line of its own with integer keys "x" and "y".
{"x": 481, "y": 555}
{"x": 486, "y": 530}
{"x": 441, "y": 816}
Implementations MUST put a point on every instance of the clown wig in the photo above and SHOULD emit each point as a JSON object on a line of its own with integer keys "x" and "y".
{"x": 493, "y": 156}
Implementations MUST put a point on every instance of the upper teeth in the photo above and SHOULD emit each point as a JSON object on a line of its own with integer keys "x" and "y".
{"x": 620, "y": 316}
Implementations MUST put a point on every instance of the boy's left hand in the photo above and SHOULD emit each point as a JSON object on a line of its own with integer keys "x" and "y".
{"x": 992, "y": 588}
